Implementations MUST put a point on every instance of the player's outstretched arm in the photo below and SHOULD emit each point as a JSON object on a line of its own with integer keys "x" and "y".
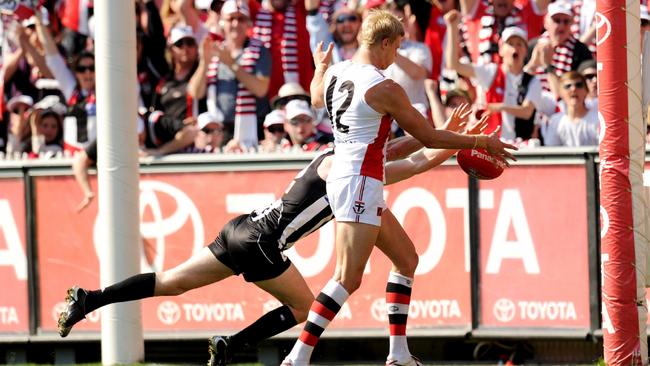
{"x": 425, "y": 159}
{"x": 388, "y": 97}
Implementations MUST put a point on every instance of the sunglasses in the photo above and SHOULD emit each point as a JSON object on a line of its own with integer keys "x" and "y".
{"x": 209, "y": 130}
{"x": 347, "y": 18}
{"x": 578, "y": 85}
{"x": 275, "y": 129}
{"x": 189, "y": 42}
{"x": 84, "y": 68}
{"x": 589, "y": 76}
{"x": 562, "y": 21}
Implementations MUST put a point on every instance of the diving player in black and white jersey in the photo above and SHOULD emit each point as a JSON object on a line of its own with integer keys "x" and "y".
{"x": 253, "y": 245}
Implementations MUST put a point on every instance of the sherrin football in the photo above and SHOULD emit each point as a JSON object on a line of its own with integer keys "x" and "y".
{"x": 480, "y": 164}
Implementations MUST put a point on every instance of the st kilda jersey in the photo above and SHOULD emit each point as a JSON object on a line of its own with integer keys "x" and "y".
{"x": 302, "y": 209}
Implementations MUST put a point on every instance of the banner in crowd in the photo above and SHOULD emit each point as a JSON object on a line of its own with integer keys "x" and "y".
{"x": 14, "y": 311}
{"x": 534, "y": 248}
{"x": 180, "y": 213}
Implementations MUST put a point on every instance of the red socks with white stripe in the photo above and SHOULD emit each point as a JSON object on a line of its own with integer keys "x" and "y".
{"x": 398, "y": 298}
{"x": 323, "y": 310}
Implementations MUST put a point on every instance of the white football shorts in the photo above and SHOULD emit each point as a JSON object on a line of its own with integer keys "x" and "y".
{"x": 357, "y": 199}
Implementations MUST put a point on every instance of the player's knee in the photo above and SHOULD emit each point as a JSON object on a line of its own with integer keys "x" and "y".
{"x": 351, "y": 283}
{"x": 410, "y": 264}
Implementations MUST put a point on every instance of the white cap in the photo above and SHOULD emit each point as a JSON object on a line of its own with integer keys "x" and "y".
{"x": 202, "y": 4}
{"x": 276, "y": 117}
{"x": 559, "y": 7}
{"x": 644, "y": 14}
{"x": 510, "y": 32}
{"x": 235, "y": 6}
{"x": 45, "y": 18}
{"x": 51, "y": 102}
{"x": 206, "y": 118}
{"x": 297, "y": 108}
{"x": 179, "y": 32}
{"x": 19, "y": 99}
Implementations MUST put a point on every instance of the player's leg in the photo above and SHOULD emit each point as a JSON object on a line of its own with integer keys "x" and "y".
{"x": 354, "y": 243}
{"x": 398, "y": 247}
{"x": 292, "y": 291}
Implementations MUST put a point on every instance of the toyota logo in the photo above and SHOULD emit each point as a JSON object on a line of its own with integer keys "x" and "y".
{"x": 162, "y": 224}
{"x": 504, "y": 310}
{"x": 603, "y": 28}
{"x": 168, "y": 312}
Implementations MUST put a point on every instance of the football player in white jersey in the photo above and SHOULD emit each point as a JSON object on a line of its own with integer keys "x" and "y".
{"x": 361, "y": 103}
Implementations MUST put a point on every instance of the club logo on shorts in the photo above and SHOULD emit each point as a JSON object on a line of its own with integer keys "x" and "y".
{"x": 359, "y": 207}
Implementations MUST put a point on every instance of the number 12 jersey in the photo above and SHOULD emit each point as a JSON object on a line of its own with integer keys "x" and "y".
{"x": 360, "y": 132}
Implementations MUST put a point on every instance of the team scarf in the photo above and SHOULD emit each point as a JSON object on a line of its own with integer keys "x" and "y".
{"x": 491, "y": 29}
{"x": 245, "y": 103}
{"x": 289, "y": 45}
{"x": 562, "y": 60}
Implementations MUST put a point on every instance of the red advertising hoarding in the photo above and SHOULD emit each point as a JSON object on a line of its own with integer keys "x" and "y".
{"x": 180, "y": 213}
{"x": 14, "y": 313}
{"x": 534, "y": 248}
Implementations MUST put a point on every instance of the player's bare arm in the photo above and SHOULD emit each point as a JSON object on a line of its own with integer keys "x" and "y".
{"x": 389, "y": 98}
{"x": 425, "y": 159}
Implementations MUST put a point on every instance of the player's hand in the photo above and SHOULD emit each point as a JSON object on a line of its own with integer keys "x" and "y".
{"x": 323, "y": 57}
{"x": 458, "y": 119}
{"x": 452, "y": 17}
{"x": 496, "y": 147}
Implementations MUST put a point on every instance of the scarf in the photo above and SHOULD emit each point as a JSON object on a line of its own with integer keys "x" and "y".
{"x": 289, "y": 46}
{"x": 245, "y": 103}
{"x": 490, "y": 32}
{"x": 562, "y": 60}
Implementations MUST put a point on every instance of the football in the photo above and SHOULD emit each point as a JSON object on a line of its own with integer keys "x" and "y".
{"x": 480, "y": 164}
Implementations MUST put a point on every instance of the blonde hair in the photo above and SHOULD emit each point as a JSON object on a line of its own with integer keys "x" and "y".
{"x": 380, "y": 25}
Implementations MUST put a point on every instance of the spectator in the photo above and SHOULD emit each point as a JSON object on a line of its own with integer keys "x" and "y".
{"x": 18, "y": 133}
{"x": 588, "y": 70}
{"x": 584, "y": 26}
{"x": 280, "y": 25}
{"x": 209, "y": 137}
{"x": 557, "y": 50}
{"x": 234, "y": 74}
{"x": 79, "y": 123}
{"x": 512, "y": 95}
{"x": 25, "y": 71}
{"x": 301, "y": 129}
{"x": 287, "y": 93}
{"x": 412, "y": 64}
{"x": 47, "y": 130}
{"x": 342, "y": 30}
{"x": 436, "y": 37}
{"x": 578, "y": 125}
{"x": 486, "y": 20}
{"x": 75, "y": 20}
{"x": 273, "y": 131}
{"x": 150, "y": 51}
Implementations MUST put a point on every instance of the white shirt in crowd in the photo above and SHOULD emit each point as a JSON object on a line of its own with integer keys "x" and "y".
{"x": 420, "y": 54}
{"x": 561, "y": 131}
{"x": 485, "y": 75}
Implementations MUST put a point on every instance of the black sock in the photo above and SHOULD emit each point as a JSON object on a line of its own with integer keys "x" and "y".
{"x": 133, "y": 288}
{"x": 270, "y": 324}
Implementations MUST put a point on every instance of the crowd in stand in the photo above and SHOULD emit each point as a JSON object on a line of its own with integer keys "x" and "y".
{"x": 231, "y": 75}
